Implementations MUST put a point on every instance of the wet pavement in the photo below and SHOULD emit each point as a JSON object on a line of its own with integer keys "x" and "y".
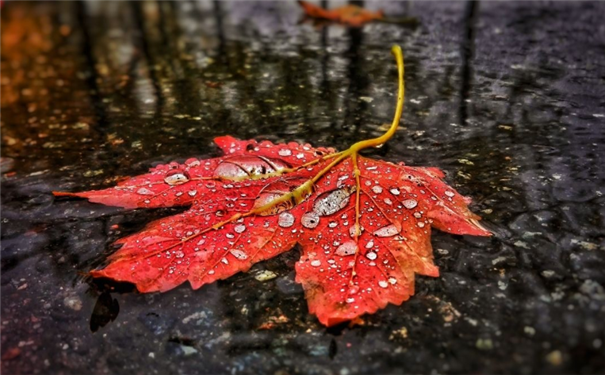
{"x": 507, "y": 98}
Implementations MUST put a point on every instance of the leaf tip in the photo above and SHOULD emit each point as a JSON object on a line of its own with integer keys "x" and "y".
{"x": 485, "y": 232}
{"x": 64, "y": 194}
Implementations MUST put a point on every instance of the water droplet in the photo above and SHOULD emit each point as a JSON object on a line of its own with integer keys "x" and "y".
{"x": 449, "y": 193}
{"x": 410, "y": 203}
{"x": 353, "y": 231}
{"x": 417, "y": 215}
{"x": 238, "y": 254}
{"x": 284, "y": 152}
{"x": 331, "y": 202}
{"x": 144, "y": 191}
{"x": 176, "y": 178}
{"x": 377, "y": 189}
{"x": 245, "y": 166}
{"x": 383, "y": 284}
{"x": 316, "y": 263}
{"x": 368, "y": 183}
{"x": 192, "y": 193}
{"x": 211, "y": 272}
{"x": 347, "y": 248}
{"x": 420, "y": 224}
{"x": 230, "y": 235}
{"x": 395, "y": 191}
{"x": 388, "y": 231}
{"x": 300, "y": 156}
{"x": 310, "y": 220}
{"x": 370, "y": 244}
{"x": 333, "y": 224}
{"x": 388, "y": 201}
{"x": 392, "y": 280}
{"x": 350, "y": 300}
{"x": 224, "y": 260}
{"x": 371, "y": 255}
{"x": 239, "y": 228}
{"x": 285, "y": 220}
{"x": 268, "y": 199}
{"x": 192, "y": 162}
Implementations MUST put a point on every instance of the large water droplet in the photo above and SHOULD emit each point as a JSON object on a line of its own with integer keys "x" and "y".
{"x": 176, "y": 178}
{"x": 449, "y": 193}
{"x": 347, "y": 248}
{"x": 285, "y": 220}
{"x": 388, "y": 231}
{"x": 371, "y": 255}
{"x": 377, "y": 189}
{"x": 266, "y": 199}
{"x": 244, "y": 166}
{"x": 240, "y": 228}
{"x": 239, "y": 254}
{"x": 410, "y": 203}
{"x": 383, "y": 284}
{"x": 331, "y": 202}
{"x": 310, "y": 220}
{"x": 316, "y": 263}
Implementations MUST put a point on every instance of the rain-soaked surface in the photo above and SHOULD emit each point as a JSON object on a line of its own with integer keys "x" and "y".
{"x": 507, "y": 98}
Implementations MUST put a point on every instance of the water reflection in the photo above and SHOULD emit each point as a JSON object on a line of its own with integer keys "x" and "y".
{"x": 106, "y": 310}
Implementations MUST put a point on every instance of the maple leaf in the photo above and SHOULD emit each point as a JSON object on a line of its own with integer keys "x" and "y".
{"x": 363, "y": 225}
{"x": 351, "y": 15}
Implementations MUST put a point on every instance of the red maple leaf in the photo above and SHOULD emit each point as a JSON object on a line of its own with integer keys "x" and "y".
{"x": 363, "y": 225}
{"x": 351, "y": 15}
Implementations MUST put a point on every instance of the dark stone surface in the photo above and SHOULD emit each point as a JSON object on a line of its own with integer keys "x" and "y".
{"x": 508, "y": 98}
